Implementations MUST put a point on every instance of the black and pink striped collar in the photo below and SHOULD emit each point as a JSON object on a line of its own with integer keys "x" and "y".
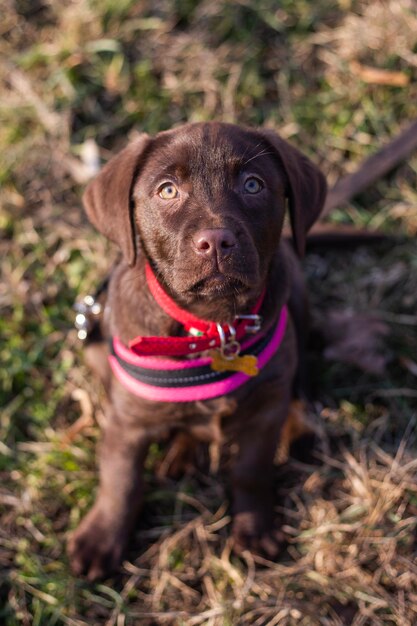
{"x": 181, "y": 369}
{"x": 163, "y": 379}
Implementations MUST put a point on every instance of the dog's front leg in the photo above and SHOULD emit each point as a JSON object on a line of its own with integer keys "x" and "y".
{"x": 96, "y": 547}
{"x": 252, "y": 480}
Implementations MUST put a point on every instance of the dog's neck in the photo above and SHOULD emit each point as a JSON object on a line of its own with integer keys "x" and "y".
{"x": 133, "y": 311}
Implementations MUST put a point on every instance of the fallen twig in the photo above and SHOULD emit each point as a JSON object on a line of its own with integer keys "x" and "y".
{"x": 372, "y": 169}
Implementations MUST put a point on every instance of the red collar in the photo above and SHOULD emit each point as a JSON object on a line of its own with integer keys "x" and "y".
{"x": 204, "y": 334}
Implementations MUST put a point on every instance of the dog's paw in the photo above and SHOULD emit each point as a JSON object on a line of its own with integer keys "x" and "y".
{"x": 248, "y": 533}
{"x": 95, "y": 549}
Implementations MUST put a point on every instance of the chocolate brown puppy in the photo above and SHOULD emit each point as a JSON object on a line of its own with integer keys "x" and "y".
{"x": 197, "y": 213}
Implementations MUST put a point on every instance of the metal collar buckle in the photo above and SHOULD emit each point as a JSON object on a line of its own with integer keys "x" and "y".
{"x": 229, "y": 347}
{"x": 85, "y": 309}
{"x": 255, "y": 327}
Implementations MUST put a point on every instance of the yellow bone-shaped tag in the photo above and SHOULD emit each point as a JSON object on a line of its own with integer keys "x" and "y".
{"x": 247, "y": 364}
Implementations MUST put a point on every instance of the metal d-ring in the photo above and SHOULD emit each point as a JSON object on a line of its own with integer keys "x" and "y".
{"x": 229, "y": 349}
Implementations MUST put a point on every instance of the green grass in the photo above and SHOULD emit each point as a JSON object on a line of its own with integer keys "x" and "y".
{"x": 104, "y": 71}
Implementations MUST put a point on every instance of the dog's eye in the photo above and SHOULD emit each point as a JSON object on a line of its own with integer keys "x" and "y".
{"x": 252, "y": 185}
{"x": 168, "y": 191}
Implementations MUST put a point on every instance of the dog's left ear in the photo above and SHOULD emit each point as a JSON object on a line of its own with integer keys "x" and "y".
{"x": 307, "y": 188}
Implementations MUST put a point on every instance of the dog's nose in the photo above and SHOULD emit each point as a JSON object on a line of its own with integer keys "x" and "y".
{"x": 214, "y": 241}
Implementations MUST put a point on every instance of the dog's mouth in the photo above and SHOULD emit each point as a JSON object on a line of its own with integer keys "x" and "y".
{"x": 218, "y": 285}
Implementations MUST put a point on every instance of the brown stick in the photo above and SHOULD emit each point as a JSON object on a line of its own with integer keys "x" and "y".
{"x": 372, "y": 168}
{"x": 324, "y": 235}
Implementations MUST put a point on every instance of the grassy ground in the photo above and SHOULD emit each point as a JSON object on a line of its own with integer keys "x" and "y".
{"x": 77, "y": 75}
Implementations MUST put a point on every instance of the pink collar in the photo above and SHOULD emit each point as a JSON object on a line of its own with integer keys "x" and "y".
{"x": 184, "y": 380}
{"x": 145, "y": 369}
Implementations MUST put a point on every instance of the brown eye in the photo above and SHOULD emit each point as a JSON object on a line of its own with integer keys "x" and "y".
{"x": 168, "y": 191}
{"x": 252, "y": 185}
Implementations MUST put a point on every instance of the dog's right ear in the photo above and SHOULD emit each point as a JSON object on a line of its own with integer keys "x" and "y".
{"x": 108, "y": 198}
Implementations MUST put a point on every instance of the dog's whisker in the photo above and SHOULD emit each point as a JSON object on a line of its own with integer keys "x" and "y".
{"x": 249, "y": 147}
{"x": 257, "y": 156}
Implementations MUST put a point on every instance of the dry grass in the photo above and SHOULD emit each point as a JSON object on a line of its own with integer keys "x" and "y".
{"x": 78, "y": 79}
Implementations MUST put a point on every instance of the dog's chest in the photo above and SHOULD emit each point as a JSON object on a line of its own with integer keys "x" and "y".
{"x": 159, "y": 418}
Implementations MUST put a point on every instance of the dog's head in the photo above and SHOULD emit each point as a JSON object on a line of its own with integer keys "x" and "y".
{"x": 206, "y": 203}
